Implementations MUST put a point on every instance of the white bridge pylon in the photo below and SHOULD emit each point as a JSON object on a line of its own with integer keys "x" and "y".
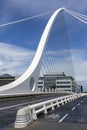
{"x": 27, "y": 83}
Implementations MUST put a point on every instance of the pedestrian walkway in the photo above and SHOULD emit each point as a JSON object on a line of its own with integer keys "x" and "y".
{"x": 48, "y": 125}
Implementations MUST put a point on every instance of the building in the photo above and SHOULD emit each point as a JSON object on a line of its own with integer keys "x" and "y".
{"x": 58, "y": 82}
{"x": 6, "y": 79}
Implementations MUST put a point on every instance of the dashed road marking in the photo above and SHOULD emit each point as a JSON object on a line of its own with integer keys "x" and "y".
{"x": 63, "y": 118}
{"x": 81, "y": 101}
{"x": 73, "y": 108}
{"x": 26, "y": 103}
{"x": 78, "y": 104}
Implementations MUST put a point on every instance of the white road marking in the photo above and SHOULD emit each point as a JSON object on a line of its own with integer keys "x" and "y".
{"x": 18, "y": 105}
{"x": 52, "y": 116}
{"x": 81, "y": 101}
{"x": 63, "y": 118}
{"x": 73, "y": 108}
{"x": 78, "y": 104}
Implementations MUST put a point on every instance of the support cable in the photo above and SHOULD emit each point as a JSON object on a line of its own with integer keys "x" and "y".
{"x": 79, "y": 17}
{"x": 49, "y": 60}
{"x": 52, "y": 59}
{"x": 25, "y": 19}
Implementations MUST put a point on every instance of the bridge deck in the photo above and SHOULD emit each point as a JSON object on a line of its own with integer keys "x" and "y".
{"x": 72, "y": 116}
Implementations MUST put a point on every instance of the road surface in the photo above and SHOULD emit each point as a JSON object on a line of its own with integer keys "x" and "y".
{"x": 8, "y": 108}
{"x": 73, "y": 112}
{"x": 71, "y": 116}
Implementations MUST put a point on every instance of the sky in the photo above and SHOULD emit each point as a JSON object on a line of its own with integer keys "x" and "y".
{"x": 18, "y": 42}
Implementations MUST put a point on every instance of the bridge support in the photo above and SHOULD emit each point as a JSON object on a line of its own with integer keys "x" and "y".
{"x": 27, "y": 83}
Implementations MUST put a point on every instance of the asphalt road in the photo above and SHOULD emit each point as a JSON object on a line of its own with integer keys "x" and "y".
{"x": 73, "y": 112}
{"x": 71, "y": 116}
{"x": 8, "y": 108}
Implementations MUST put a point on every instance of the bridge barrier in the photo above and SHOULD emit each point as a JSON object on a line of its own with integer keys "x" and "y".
{"x": 29, "y": 113}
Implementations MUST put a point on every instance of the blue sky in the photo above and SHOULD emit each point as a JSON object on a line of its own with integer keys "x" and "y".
{"x": 18, "y": 42}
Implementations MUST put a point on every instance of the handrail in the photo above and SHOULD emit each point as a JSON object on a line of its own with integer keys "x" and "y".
{"x": 27, "y": 114}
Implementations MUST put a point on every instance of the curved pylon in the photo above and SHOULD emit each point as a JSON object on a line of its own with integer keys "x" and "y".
{"x": 28, "y": 81}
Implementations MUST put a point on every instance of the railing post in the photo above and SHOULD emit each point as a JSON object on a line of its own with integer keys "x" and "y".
{"x": 71, "y": 98}
{"x": 68, "y": 99}
{"x": 45, "y": 110}
{"x": 57, "y": 104}
{"x": 52, "y": 105}
{"x": 65, "y": 100}
{"x": 62, "y": 102}
{"x": 34, "y": 116}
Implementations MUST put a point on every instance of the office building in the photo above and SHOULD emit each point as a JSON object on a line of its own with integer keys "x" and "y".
{"x": 58, "y": 82}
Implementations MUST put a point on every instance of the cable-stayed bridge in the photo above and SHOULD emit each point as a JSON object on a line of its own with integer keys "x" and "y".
{"x": 45, "y": 61}
{"x": 27, "y": 83}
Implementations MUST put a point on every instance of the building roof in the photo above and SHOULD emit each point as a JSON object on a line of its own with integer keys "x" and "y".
{"x": 57, "y": 75}
{"x": 6, "y": 75}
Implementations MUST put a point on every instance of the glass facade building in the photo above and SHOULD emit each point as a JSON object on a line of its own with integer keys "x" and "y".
{"x": 58, "y": 82}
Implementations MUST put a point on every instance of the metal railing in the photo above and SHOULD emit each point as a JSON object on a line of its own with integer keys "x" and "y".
{"x": 27, "y": 114}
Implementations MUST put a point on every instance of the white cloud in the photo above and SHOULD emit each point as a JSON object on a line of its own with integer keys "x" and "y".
{"x": 13, "y": 59}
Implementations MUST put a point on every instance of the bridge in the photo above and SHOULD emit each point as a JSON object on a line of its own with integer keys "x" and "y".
{"x": 27, "y": 84}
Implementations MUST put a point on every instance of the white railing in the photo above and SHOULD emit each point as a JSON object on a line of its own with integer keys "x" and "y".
{"x": 27, "y": 114}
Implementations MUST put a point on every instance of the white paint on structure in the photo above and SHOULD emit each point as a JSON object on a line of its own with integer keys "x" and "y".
{"x": 28, "y": 81}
